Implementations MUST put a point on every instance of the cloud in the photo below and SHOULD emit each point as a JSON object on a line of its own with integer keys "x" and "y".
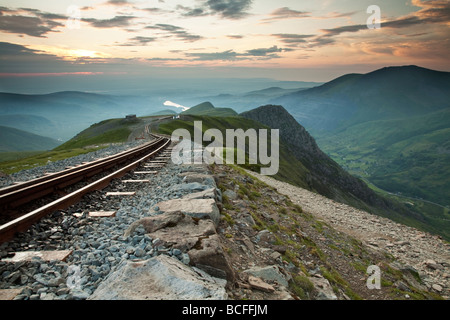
{"x": 263, "y": 52}
{"x": 176, "y": 32}
{"x": 31, "y": 26}
{"x": 231, "y": 9}
{"x": 50, "y": 74}
{"x": 235, "y": 36}
{"x": 138, "y": 41}
{"x": 192, "y": 12}
{"x": 287, "y": 13}
{"x": 176, "y": 105}
{"x": 228, "y": 55}
{"x": 116, "y": 22}
{"x": 31, "y": 22}
{"x": 164, "y": 59}
{"x": 227, "y": 9}
{"x": 433, "y": 13}
{"x": 231, "y": 55}
{"x": 16, "y": 58}
{"x": 12, "y": 49}
{"x": 293, "y": 40}
{"x": 118, "y": 2}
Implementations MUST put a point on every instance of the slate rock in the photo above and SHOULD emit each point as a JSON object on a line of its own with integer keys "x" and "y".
{"x": 159, "y": 278}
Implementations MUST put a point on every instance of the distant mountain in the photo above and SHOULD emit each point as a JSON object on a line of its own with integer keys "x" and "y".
{"x": 384, "y": 94}
{"x": 249, "y": 100}
{"x": 71, "y": 111}
{"x": 30, "y": 123}
{"x": 269, "y": 92}
{"x": 325, "y": 175}
{"x": 207, "y": 109}
{"x": 12, "y": 139}
{"x": 165, "y": 112}
{"x": 390, "y": 127}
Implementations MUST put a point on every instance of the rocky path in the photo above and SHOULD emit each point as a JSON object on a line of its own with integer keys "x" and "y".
{"x": 428, "y": 254}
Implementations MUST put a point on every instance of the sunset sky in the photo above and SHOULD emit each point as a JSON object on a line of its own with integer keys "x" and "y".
{"x": 306, "y": 40}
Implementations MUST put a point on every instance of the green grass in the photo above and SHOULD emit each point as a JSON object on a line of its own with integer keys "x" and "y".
{"x": 108, "y": 131}
{"x": 291, "y": 169}
{"x": 17, "y": 155}
{"x": 431, "y": 217}
{"x": 96, "y": 137}
{"x": 207, "y": 109}
{"x": 41, "y": 159}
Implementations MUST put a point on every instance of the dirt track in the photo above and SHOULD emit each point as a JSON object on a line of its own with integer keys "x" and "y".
{"x": 428, "y": 254}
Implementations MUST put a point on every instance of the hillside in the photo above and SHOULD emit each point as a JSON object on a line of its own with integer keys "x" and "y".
{"x": 18, "y": 140}
{"x": 207, "y": 109}
{"x": 303, "y": 164}
{"x": 388, "y": 93}
{"x": 97, "y": 136}
{"x": 104, "y": 132}
{"x": 390, "y": 126}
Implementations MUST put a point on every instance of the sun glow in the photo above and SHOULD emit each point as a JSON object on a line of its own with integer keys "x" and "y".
{"x": 69, "y": 54}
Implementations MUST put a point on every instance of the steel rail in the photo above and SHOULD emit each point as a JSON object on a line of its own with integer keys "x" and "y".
{"x": 14, "y": 196}
{"x": 9, "y": 230}
{"x": 63, "y": 172}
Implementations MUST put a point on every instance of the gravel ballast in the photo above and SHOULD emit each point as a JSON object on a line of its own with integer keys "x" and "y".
{"x": 98, "y": 244}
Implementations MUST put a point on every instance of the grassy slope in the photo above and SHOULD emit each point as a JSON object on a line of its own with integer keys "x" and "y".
{"x": 108, "y": 131}
{"x": 408, "y": 157}
{"x": 41, "y": 158}
{"x": 207, "y": 109}
{"x": 291, "y": 170}
{"x": 91, "y": 139}
{"x": 411, "y": 156}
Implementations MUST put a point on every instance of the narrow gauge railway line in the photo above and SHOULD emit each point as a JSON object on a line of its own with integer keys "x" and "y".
{"x": 15, "y": 196}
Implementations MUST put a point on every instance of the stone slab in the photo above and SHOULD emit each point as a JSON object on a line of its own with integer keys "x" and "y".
{"x": 44, "y": 255}
{"x": 206, "y": 194}
{"x": 112, "y": 194}
{"x": 159, "y": 278}
{"x": 145, "y": 172}
{"x": 9, "y": 294}
{"x": 197, "y": 208}
{"x": 257, "y": 283}
{"x": 102, "y": 214}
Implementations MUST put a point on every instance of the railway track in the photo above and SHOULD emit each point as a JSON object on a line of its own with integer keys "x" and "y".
{"x": 16, "y": 196}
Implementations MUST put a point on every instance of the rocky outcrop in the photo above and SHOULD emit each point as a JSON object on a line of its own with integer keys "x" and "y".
{"x": 325, "y": 175}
